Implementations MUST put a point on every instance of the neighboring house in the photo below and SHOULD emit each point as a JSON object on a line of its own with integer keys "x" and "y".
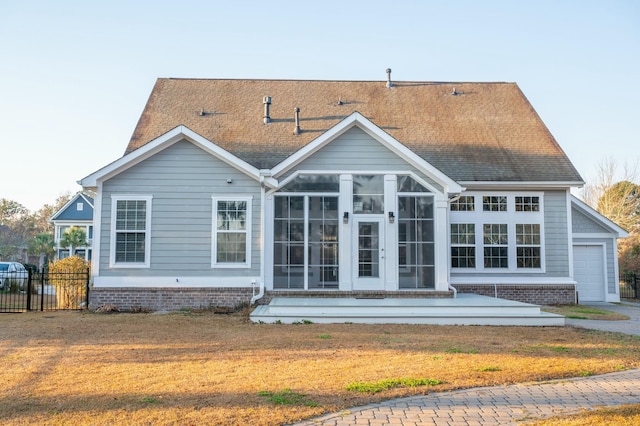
{"x": 77, "y": 212}
{"x": 230, "y": 189}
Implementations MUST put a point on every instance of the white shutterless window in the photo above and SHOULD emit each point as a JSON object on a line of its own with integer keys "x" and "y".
{"x": 130, "y": 231}
{"x": 231, "y": 245}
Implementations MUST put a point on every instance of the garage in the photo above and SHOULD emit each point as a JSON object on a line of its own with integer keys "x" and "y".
{"x": 589, "y": 272}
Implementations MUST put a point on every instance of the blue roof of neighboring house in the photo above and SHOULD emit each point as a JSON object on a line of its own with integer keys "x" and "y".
{"x": 79, "y": 207}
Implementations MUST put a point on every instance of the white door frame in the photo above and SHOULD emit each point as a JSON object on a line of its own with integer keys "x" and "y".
{"x": 376, "y": 282}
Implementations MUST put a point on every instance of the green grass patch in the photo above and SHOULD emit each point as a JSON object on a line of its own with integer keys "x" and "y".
{"x": 324, "y": 336}
{"x": 287, "y": 397}
{"x": 375, "y": 387}
{"x": 584, "y": 312}
{"x": 489, "y": 369}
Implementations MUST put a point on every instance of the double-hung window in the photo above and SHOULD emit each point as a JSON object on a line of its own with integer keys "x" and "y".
{"x": 130, "y": 231}
{"x": 499, "y": 232}
{"x": 231, "y": 232}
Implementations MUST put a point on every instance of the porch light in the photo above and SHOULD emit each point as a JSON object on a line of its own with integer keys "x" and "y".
{"x": 345, "y": 217}
{"x": 392, "y": 217}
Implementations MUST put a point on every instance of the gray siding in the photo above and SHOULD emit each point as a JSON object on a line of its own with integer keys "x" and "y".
{"x": 182, "y": 179}
{"x": 556, "y": 233}
{"x": 354, "y": 151}
{"x": 582, "y": 224}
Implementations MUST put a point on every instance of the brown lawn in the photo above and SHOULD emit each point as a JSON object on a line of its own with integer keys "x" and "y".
{"x": 199, "y": 368}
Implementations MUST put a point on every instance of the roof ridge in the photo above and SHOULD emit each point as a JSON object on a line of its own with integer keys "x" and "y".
{"x": 332, "y": 81}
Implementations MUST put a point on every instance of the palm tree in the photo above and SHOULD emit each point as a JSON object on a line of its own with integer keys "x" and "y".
{"x": 42, "y": 245}
{"x": 74, "y": 237}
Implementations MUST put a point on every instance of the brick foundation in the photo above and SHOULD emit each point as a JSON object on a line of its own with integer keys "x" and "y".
{"x": 528, "y": 293}
{"x": 170, "y": 299}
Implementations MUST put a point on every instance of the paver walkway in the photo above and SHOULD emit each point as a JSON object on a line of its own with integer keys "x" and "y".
{"x": 498, "y": 405}
{"x": 505, "y": 405}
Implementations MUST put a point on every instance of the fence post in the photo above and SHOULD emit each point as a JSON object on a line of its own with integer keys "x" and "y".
{"x": 86, "y": 302}
{"x": 44, "y": 271}
{"x": 29, "y": 272}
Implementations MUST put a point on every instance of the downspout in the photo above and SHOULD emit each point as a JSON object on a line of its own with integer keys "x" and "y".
{"x": 260, "y": 293}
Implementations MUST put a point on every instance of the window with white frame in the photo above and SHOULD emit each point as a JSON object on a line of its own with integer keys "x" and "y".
{"x": 495, "y": 245}
{"x": 232, "y": 232}
{"x": 506, "y": 235}
{"x": 131, "y": 225}
{"x": 463, "y": 245}
{"x": 528, "y": 245}
{"x": 464, "y": 203}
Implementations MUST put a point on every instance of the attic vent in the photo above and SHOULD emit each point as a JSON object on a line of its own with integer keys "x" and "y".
{"x": 297, "y": 130}
{"x": 267, "y": 103}
{"x": 454, "y": 92}
{"x": 389, "y": 84}
{"x": 340, "y": 101}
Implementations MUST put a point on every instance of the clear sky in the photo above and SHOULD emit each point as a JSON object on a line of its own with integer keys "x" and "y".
{"x": 75, "y": 75}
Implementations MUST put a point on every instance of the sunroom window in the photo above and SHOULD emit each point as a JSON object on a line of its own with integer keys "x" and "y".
{"x": 506, "y": 235}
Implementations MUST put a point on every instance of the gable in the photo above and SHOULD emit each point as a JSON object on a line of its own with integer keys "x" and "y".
{"x": 583, "y": 224}
{"x": 161, "y": 143}
{"x": 586, "y": 220}
{"x": 79, "y": 208}
{"x": 357, "y": 151}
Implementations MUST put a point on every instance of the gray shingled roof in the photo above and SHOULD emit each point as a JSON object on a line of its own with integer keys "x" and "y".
{"x": 485, "y": 132}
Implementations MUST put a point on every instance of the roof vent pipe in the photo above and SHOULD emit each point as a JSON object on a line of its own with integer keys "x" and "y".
{"x": 267, "y": 102}
{"x": 389, "y": 84}
{"x": 297, "y": 131}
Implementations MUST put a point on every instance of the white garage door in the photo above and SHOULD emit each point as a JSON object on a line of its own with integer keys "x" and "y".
{"x": 588, "y": 271}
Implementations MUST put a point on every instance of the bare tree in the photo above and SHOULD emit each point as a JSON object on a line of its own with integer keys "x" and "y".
{"x": 615, "y": 195}
{"x": 618, "y": 198}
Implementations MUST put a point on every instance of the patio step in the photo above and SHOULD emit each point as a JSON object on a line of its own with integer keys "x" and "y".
{"x": 465, "y": 309}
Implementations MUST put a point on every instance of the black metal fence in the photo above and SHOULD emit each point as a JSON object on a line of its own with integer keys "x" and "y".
{"x": 630, "y": 286}
{"x": 46, "y": 291}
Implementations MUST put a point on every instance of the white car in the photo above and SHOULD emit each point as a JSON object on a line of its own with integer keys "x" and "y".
{"x": 13, "y": 272}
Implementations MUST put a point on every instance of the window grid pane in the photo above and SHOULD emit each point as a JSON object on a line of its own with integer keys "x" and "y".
{"x": 464, "y": 204}
{"x": 231, "y": 231}
{"x": 528, "y": 246}
{"x": 368, "y": 194}
{"x": 463, "y": 251}
{"x": 130, "y": 247}
{"x": 495, "y": 246}
{"x": 131, "y": 215}
{"x": 416, "y": 242}
{"x": 527, "y": 204}
{"x": 130, "y": 231}
{"x": 494, "y": 203}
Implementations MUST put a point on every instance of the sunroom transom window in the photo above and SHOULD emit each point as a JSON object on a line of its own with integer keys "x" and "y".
{"x": 368, "y": 194}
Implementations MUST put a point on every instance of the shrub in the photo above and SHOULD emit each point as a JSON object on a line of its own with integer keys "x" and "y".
{"x": 68, "y": 276}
